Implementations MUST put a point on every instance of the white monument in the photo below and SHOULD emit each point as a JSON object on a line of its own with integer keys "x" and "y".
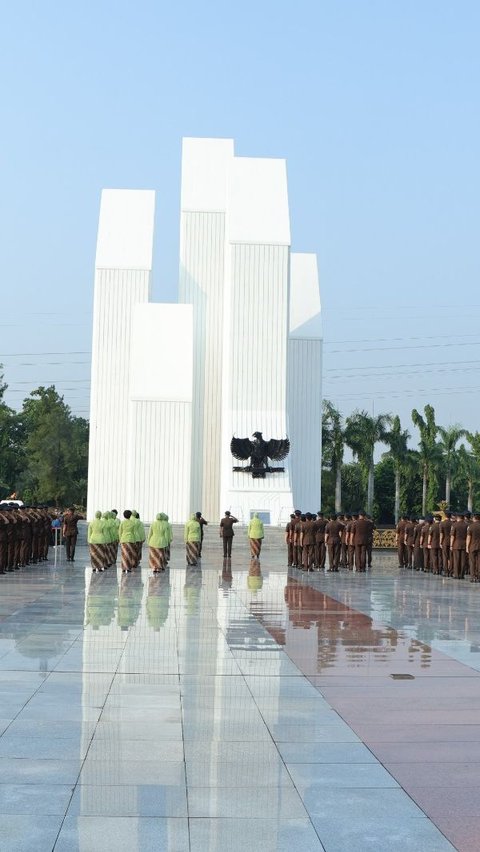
{"x": 241, "y": 352}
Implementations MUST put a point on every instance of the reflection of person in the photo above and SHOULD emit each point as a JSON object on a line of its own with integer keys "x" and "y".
{"x": 158, "y": 600}
{"x": 255, "y": 533}
{"x": 203, "y": 523}
{"x": 139, "y": 536}
{"x": 129, "y": 600}
{"x": 158, "y": 541}
{"x": 96, "y": 538}
{"x": 70, "y": 532}
{"x": 255, "y": 578}
{"x": 192, "y": 588}
{"x": 226, "y": 532}
{"x": 100, "y": 601}
{"x": 192, "y": 536}
{"x": 227, "y": 577}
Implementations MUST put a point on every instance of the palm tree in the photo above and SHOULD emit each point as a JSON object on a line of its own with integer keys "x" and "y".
{"x": 469, "y": 470}
{"x": 362, "y": 432}
{"x": 333, "y": 443}
{"x": 450, "y": 437}
{"x": 429, "y": 453}
{"x": 397, "y": 440}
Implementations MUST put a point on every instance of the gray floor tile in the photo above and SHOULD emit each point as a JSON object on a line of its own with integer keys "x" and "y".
{"x": 22, "y": 833}
{"x": 256, "y": 773}
{"x": 245, "y": 802}
{"x": 307, "y": 775}
{"x": 34, "y": 799}
{"x": 412, "y": 835}
{"x": 27, "y": 771}
{"x": 129, "y": 800}
{"x": 325, "y": 753}
{"x": 123, "y": 834}
{"x": 141, "y": 772}
{"x": 253, "y": 835}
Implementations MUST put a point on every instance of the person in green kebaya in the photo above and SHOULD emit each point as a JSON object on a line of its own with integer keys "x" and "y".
{"x": 128, "y": 542}
{"x": 158, "y": 541}
{"x": 96, "y": 538}
{"x": 255, "y": 534}
{"x": 192, "y": 536}
{"x": 139, "y": 536}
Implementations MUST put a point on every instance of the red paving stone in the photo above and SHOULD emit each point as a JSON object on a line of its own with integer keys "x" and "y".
{"x": 426, "y": 732}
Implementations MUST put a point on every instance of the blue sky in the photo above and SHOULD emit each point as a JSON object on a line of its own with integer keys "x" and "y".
{"x": 375, "y": 106}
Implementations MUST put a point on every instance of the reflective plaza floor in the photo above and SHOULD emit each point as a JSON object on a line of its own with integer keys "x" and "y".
{"x": 238, "y": 707}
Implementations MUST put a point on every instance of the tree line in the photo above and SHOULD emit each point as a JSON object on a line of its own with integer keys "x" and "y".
{"x": 444, "y": 469}
{"x": 43, "y": 450}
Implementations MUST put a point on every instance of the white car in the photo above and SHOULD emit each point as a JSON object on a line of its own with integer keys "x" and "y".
{"x": 19, "y": 503}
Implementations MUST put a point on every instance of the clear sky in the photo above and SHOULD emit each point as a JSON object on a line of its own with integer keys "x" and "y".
{"x": 375, "y": 105}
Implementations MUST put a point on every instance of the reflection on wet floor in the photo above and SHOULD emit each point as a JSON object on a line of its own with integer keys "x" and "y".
{"x": 236, "y": 706}
{"x": 341, "y": 635}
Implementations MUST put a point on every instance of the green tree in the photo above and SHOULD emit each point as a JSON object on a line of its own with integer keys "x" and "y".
{"x": 397, "y": 440}
{"x": 55, "y": 448}
{"x": 430, "y": 455}
{"x": 333, "y": 444}
{"x": 467, "y": 473}
{"x": 450, "y": 436}
{"x": 353, "y": 486}
{"x": 11, "y": 450}
{"x": 362, "y": 433}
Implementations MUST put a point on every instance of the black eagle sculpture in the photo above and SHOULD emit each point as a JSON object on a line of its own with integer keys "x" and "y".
{"x": 259, "y": 452}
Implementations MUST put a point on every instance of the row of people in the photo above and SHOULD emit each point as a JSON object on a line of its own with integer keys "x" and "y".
{"x": 348, "y": 539}
{"x": 447, "y": 545}
{"x": 24, "y": 535}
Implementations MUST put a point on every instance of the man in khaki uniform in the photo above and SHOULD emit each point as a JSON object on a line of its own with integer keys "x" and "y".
{"x": 226, "y": 532}
{"x": 473, "y": 548}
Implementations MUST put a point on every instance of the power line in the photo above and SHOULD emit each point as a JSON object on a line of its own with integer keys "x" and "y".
{"x": 401, "y": 348}
{"x": 389, "y": 339}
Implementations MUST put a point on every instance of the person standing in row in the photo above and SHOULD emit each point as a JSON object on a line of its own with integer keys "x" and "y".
{"x": 289, "y": 540}
{"x": 158, "y": 541}
{"x": 192, "y": 537}
{"x": 445, "y": 530}
{"x": 308, "y": 543}
{"x": 400, "y": 542}
{"x": 96, "y": 539}
{"x": 70, "y": 532}
{"x": 256, "y": 533}
{"x": 361, "y": 533}
{"x": 458, "y": 546}
{"x": 409, "y": 540}
{"x": 226, "y": 532}
{"x": 434, "y": 545}
{"x": 139, "y": 536}
{"x": 203, "y": 523}
{"x": 128, "y": 542}
{"x": 333, "y": 532}
{"x": 473, "y": 548}
{"x": 320, "y": 548}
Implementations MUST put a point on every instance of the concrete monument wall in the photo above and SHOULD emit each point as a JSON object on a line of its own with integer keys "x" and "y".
{"x": 171, "y": 384}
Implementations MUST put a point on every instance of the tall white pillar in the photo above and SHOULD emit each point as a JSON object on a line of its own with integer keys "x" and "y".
{"x": 305, "y": 382}
{"x": 122, "y": 279}
{"x": 205, "y": 163}
{"x": 256, "y": 311}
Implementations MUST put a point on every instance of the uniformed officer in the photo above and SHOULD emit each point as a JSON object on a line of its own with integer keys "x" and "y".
{"x": 473, "y": 547}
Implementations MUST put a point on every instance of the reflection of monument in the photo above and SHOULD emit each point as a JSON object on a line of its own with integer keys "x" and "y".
{"x": 241, "y": 351}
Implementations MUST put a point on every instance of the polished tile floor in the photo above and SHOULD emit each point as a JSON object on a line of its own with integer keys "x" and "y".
{"x": 238, "y": 707}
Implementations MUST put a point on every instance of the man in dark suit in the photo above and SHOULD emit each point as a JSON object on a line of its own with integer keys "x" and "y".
{"x": 458, "y": 546}
{"x": 361, "y": 534}
{"x": 226, "y": 532}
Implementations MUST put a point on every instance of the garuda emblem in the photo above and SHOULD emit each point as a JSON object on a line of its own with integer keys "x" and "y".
{"x": 259, "y": 452}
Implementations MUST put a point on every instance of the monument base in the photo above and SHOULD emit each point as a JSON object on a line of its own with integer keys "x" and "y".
{"x": 273, "y": 507}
